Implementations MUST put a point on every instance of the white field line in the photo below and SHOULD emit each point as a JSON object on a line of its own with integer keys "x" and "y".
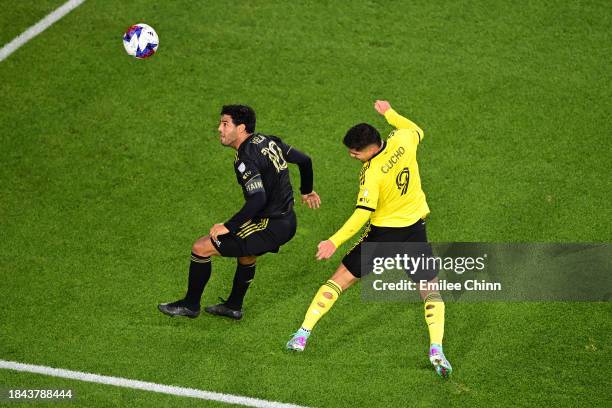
{"x": 38, "y": 28}
{"x": 146, "y": 386}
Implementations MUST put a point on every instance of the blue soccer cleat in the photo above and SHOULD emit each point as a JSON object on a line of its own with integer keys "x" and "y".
{"x": 298, "y": 341}
{"x": 440, "y": 363}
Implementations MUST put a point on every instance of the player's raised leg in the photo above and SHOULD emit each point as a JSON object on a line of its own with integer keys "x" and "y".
{"x": 434, "y": 317}
{"x": 199, "y": 273}
{"x": 324, "y": 299}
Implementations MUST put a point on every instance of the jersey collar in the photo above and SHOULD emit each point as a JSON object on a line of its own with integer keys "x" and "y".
{"x": 384, "y": 144}
{"x": 245, "y": 141}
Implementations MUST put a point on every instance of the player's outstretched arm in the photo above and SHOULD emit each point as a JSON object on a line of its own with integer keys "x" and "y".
{"x": 327, "y": 248}
{"x": 309, "y": 196}
{"x": 395, "y": 119}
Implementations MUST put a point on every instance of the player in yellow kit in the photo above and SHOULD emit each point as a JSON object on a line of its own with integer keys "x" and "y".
{"x": 391, "y": 199}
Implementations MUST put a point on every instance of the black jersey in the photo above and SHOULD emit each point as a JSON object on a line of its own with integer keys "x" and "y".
{"x": 261, "y": 170}
{"x": 261, "y": 165}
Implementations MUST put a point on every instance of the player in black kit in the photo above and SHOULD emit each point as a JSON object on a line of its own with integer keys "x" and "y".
{"x": 264, "y": 223}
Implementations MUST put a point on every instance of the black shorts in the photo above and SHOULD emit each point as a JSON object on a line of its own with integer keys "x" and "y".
{"x": 257, "y": 237}
{"x": 414, "y": 233}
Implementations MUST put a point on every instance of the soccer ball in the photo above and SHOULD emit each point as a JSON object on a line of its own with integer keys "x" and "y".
{"x": 140, "y": 41}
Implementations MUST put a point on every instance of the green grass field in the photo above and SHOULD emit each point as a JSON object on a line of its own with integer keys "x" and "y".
{"x": 111, "y": 168}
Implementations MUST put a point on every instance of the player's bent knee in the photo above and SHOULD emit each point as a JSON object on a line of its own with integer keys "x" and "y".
{"x": 247, "y": 260}
{"x": 198, "y": 248}
{"x": 343, "y": 277}
{"x": 204, "y": 247}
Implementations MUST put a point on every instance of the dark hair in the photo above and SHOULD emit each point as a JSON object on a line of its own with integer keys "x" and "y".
{"x": 241, "y": 115}
{"x": 362, "y": 135}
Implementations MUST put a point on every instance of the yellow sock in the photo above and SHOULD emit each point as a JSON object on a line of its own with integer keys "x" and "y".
{"x": 321, "y": 303}
{"x": 434, "y": 317}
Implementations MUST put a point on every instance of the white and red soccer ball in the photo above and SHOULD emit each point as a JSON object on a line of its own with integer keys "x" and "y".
{"x": 140, "y": 41}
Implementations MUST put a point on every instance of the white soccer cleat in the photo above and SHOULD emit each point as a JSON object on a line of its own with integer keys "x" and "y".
{"x": 298, "y": 341}
{"x": 439, "y": 361}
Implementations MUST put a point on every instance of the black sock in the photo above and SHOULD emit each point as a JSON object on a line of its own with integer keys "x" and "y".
{"x": 242, "y": 280}
{"x": 199, "y": 273}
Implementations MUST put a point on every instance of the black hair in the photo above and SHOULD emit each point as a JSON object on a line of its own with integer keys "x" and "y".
{"x": 241, "y": 115}
{"x": 362, "y": 135}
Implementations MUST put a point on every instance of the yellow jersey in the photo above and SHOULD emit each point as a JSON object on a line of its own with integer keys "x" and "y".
{"x": 389, "y": 183}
